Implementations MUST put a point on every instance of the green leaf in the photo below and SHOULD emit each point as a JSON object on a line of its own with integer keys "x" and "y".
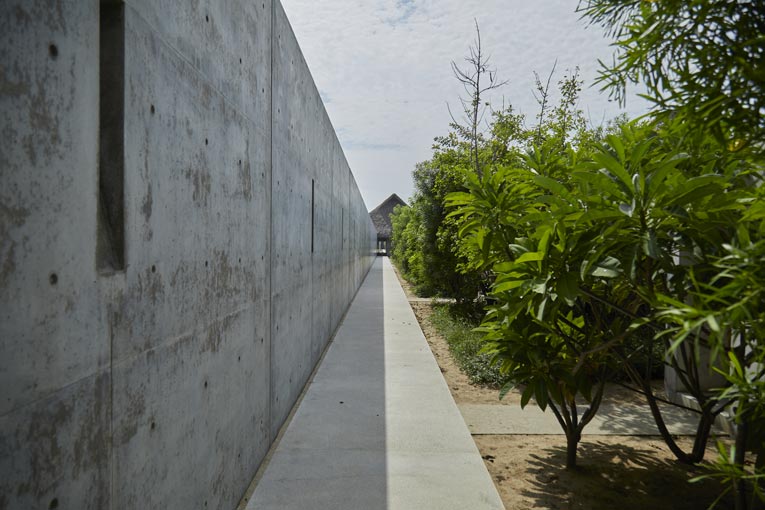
{"x": 540, "y": 393}
{"x": 506, "y": 388}
{"x": 697, "y": 188}
{"x": 615, "y": 168}
{"x": 713, "y": 324}
{"x": 544, "y": 243}
{"x": 568, "y": 287}
{"x": 532, "y": 256}
{"x": 601, "y": 183}
{"x": 594, "y": 215}
{"x": 658, "y": 174}
{"x": 636, "y": 157}
{"x": 743, "y": 235}
{"x": 606, "y": 268}
{"x": 736, "y": 364}
{"x": 504, "y": 267}
{"x": 616, "y": 143}
{"x": 528, "y": 392}
{"x": 542, "y": 308}
{"x": 651, "y": 244}
{"x": 551, "y": 185}
{"x": 539, "y": 286}
{"x": 505, "y": 286}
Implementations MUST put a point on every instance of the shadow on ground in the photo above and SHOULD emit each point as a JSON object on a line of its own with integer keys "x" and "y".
{"x": 616, "y": 477}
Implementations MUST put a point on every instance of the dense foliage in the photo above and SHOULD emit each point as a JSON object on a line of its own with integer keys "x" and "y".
{"x": 703, "y": 64}
{"x": 601, "y": 247}
{"x": 702, "y": 60}
{"x": 425, "y": 244}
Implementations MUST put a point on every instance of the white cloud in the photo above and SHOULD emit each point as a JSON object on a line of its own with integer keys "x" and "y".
{"x": 383, "y": 69}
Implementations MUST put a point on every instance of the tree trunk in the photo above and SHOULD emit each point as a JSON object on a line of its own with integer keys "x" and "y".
{"x": 739, "y": 485}
{"x": 572, "y": 441}
{"x": 702, "y": 431}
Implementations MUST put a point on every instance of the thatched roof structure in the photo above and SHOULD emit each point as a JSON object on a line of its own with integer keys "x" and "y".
{"x": 381, "y": 215}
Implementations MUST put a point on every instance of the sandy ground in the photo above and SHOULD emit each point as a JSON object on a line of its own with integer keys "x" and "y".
{"x": 614, "y": 472}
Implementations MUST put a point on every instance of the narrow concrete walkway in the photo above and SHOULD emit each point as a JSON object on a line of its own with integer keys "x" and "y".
{"x": 377, "y": 428}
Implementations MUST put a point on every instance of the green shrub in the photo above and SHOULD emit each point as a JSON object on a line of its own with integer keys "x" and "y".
{"x": 456, "y": 326}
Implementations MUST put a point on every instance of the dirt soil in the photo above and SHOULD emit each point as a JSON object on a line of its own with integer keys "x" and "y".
{"x": 614, "y": 472}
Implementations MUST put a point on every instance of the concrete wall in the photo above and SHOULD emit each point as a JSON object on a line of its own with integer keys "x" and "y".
{"x": 150, "y": 350}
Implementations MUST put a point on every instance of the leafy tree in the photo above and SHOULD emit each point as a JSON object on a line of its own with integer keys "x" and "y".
{"x": 701, "y": 60}
{"x": 518, "y": 220}
{"x": 657, "y": 202}
{"x": 728, "y": 311}
{"x": 582, "y": 240}
{"x": 404, "y": 243}
{"x": 424, "y": 244}
{"x": 703, "y": 63}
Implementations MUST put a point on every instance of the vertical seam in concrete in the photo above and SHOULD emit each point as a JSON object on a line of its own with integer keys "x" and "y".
{"x": 111, "y": 408}
{"x": 313, "y": 287}
{"x": 349, "y": 264}
{"x": 109, "y": 321}
{"x": 332, "y": 270}
{"x": 271, "y": 233}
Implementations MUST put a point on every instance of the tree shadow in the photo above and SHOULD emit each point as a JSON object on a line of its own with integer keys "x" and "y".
{"x": 620, "y": 477}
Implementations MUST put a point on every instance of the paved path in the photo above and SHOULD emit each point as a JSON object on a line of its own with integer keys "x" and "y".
{"x": 630, "y": 420}
{"x": 377, "y": 427}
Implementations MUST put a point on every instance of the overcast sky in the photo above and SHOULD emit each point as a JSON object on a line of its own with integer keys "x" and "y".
{"x": 383, "y": 70}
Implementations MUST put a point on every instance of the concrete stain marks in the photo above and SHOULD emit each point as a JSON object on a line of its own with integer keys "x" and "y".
{"x": 244, "y": 173}
{"x": 14, "y": 82}
{"x": 52, "y": 16}
{"x": 218, "y": 329}
{"x": 201, "y": 182}
{"x": 147, "y": 205}
{"x": 68, "y": 429}
{"x": 131, "y": 417}
{"x": 10, "y": 218}
{"x": 149, "y": 283}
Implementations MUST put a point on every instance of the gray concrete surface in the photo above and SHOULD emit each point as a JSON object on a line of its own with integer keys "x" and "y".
{"x": 147, "y": 358}
{"x": 629, "y": 420}
{"x": 377, "y": 427}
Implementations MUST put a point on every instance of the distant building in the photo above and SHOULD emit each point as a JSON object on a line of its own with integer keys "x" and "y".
{"x": 381, "y": 218}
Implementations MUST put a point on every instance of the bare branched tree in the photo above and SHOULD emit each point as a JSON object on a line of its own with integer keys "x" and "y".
{"x": 542, "y": 98}
{"x": 477, "y": 78}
